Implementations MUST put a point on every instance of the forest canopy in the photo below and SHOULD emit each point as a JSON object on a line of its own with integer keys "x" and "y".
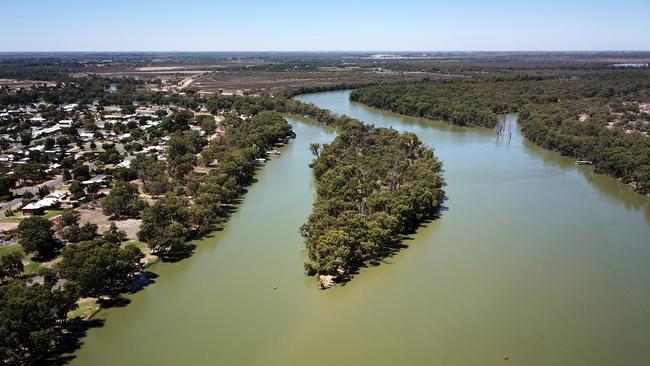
{"x": 374, "y": 185}
{"x": 601, "y": 117}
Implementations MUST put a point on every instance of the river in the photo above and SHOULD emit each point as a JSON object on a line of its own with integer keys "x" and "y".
{"x": 533, "y": 257}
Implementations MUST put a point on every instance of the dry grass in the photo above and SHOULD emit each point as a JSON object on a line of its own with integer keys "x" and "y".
{"x": 95, "y": 215}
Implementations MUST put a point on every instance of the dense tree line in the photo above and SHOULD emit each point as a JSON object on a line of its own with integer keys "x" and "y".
{"x": 594, "y": 116}
{"x": 201, "y": 202}
{"x": 80, "y": 90}
{"x": 99, "y": 268}
{"x": 33, "y": 319}
{"x": 373, "y": 185}
{"x": 612, "y": 151}
{"x": 33, "y": 316}
{"x": 292, "y": 92}
{"x": 447, "y": 101}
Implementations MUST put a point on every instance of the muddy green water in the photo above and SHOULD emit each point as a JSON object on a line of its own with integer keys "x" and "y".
{"x": 533, "y": 257}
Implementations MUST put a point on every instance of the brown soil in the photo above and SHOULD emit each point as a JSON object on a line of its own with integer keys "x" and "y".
{"x": 95, "y": 215}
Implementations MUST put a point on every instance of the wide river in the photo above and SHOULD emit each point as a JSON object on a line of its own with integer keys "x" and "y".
{"x": 533, "y": 257}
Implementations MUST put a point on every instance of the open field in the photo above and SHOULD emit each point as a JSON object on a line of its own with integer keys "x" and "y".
{"x": 96, "y": 216}
{"x": 254, "y": 80}
{"x": 254, "y": 73}
{"x": 16, "y": 84}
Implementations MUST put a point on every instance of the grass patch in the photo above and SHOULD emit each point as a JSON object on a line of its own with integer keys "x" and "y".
{"x": 11, "y": 248}
{"x": 140, "y": 245}
{"x": 17, "y": 217}
{"x": 51, "y": 213}
{"x": 48, "y": 215}
{"x": 152, "y": 259}
{"x": 31, "y": 267}
{"x": 86, "y": 310}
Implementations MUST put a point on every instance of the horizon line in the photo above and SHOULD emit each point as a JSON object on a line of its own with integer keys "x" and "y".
{"x": 334, "y": 51}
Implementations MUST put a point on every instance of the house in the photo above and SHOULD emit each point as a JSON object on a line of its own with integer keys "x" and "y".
{"x": 59, "y": 195}
{"x": 39, "y": 207}
{"x": 70, "y": 107}
{"x": 86, "y": 136}
{"x": 126, "y": 163}
{"x": 65, "y": 123}
{"x": 36, "y": 132}
{"x": 99, "y": 178}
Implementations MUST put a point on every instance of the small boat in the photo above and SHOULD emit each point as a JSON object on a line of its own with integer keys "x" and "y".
{"x": 583, "y": 162}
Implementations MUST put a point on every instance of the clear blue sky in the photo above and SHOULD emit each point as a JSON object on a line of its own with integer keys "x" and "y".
{"x": 330, "y": 25}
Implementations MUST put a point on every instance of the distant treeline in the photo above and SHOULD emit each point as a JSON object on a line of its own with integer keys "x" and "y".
{"x": 34, "y": 71}
{"x": 292, "y": 92}
{"x": 82, "y": 91}
{"x": 594, "y": 117}
{"x": 448, "y": 101}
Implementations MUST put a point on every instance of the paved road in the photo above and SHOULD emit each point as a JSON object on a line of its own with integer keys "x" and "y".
{"x": 6, "y": 205}
{"x": 52, "y": 184}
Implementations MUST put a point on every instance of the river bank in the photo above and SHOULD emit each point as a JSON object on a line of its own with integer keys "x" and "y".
{"x": 533, "y": 257}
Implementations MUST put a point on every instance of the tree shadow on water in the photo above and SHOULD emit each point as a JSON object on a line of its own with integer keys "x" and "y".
{"x": 76, "y": 329}
{"x": 145, "y": 279}
{"x": 178, "y": 254}
{"x": 388, "y": 252}
{"x": 70, "y": 341}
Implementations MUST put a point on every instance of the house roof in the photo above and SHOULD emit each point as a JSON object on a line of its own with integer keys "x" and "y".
{"x": 44, "y": 203}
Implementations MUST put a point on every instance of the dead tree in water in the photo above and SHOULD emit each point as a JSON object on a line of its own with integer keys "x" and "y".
{"x": 504, "y": 127}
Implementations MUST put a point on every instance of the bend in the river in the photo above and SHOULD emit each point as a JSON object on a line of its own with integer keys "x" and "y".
{"x": 534, "y": 258}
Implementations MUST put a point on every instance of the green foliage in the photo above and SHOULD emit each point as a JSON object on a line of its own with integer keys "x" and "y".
{"x": 28, "y": 197}
{"x": 166, "y": 225}
{"x": 110, "y": 155}
{"x": 208, "y": 124}
{"x": 152, "y": 172}
{"x": 66, "y": 175}
{"x": 99, "y": 268}
{"x": 373, "y": 185}
{"x": 31, "y": 320}
{"x": 6, "y": 184}
{"x": 69, "y": 217}
{"x": 35, "y": 235}
{"x": 612, "y": 151}
{"x": 76, "y": 233}
{"x": 11, "y": 265}
{"x": 179, "y": 121}
{"x": 448, "y": 101}
{"x": 81, "y": 172}
{"x": 31, "y": 172}
{"x": 315, "y": 149}
{"x": 43, "y": 191}
{"x": 173, "y": 220}
{"x": 181, "y": 152}
{"x": 123, "y": 201}
{"x": 549, "y": 109}
{"x": 114, "y": 235}
{"x": 124, "y": 174}
{"x": 77, "y": 189}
